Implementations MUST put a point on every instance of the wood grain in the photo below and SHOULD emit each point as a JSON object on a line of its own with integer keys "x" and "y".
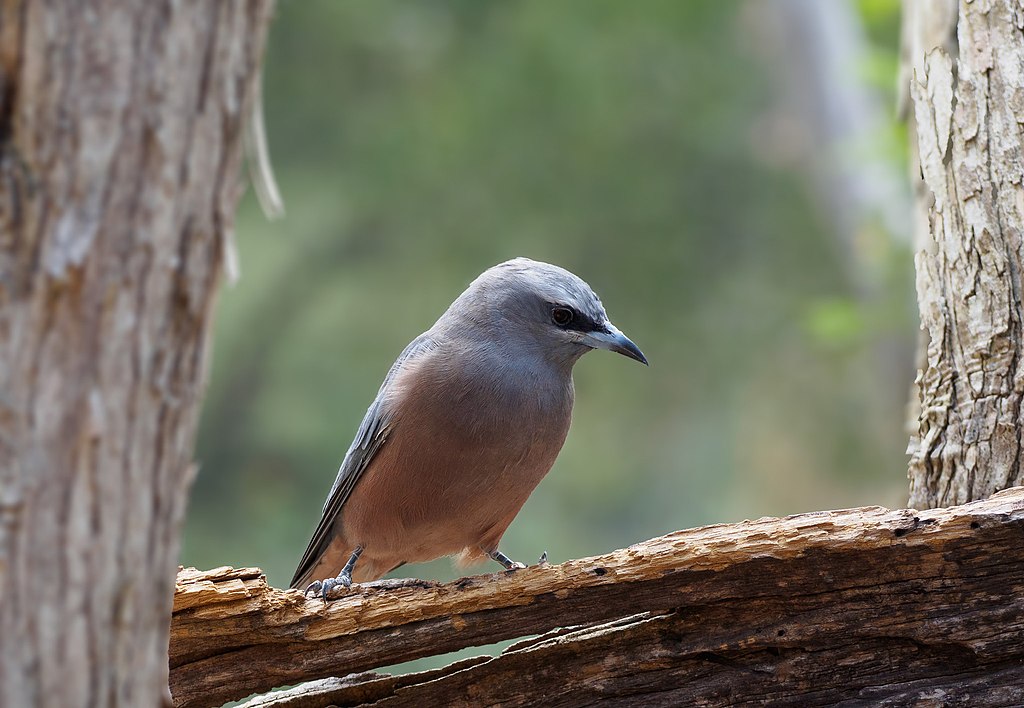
{"x": 861, "y": 602}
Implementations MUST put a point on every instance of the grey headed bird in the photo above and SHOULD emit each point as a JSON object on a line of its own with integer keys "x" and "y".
{"x": 467, "y": 422}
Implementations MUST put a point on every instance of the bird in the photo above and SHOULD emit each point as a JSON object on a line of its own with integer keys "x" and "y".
{"x": 468, "y": 420}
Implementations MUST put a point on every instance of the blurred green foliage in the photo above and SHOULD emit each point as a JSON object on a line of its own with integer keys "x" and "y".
{"x": 418, "y": 142}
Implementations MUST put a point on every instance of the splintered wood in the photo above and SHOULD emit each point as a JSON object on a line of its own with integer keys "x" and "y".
{"x": 860, "y": 604}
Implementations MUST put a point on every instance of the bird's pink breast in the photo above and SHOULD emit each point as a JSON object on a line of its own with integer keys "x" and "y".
{"x": 456, "y": 468}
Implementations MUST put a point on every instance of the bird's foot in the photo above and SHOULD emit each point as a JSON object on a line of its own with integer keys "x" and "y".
{"x": 505, "y": 561}
{"x": 344, "y": 579}
{"x": 324, "y": 587}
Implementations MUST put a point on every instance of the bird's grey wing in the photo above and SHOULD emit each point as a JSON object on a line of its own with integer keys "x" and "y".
{"x": 373, "y": 431}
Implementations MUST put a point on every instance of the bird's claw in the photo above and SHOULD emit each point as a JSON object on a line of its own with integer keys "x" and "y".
{"x": 324, "y": 587}
{"x": 506, "y": 562}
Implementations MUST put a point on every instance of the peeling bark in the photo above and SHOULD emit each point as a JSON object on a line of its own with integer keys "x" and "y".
{"x": 866, "y": 605}
{"x": 969, "y": 138}
{"x": 120, "y": 125}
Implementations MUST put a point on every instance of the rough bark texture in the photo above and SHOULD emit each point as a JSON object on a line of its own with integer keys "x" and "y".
{"x": 967, "y": 111}
{"x": 120, "y": 124}
{"x": 931, "y": 24}
{"x": 868, "y": 606}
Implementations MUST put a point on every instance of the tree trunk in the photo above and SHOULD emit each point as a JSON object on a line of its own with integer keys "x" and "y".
{"x": 120, "y": 126}
{"x": 967, "y": 110}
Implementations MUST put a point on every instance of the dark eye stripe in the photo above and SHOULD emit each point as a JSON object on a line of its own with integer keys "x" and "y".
{"x": 582, "y": 323}
{"x": 578, "y": 322}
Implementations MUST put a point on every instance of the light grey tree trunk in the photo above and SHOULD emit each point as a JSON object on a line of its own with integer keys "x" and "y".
{"x": 120, "y": 127}
{"x": 968, "y": 100}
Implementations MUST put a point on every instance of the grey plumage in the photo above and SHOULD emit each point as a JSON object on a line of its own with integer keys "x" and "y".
{"x": 467, "y": 422}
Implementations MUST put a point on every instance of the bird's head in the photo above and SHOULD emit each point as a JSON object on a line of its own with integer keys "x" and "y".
{"x": 543, "y": 307}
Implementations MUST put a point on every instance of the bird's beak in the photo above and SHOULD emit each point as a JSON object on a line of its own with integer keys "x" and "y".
{"x": 615, "y": 341}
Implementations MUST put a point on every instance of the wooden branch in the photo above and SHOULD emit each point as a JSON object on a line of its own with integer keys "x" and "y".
{"x": 866, "y": 604}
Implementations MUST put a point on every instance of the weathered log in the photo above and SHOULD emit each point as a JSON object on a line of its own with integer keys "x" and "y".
{"x": 860, "y": 605}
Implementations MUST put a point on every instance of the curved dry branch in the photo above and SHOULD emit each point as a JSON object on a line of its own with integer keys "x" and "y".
{"x": 810, "y": 606}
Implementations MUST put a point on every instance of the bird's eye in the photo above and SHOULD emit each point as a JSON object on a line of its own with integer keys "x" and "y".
{"x": 562, "y": 316}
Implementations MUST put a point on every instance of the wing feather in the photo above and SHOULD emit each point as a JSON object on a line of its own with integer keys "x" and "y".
{"x": 372, "y": 434}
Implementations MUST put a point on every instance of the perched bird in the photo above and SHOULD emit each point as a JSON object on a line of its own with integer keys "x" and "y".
{"x": 466, "y": 424}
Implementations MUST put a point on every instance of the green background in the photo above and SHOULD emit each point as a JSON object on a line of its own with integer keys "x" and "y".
{"x": 419, "y": 142}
